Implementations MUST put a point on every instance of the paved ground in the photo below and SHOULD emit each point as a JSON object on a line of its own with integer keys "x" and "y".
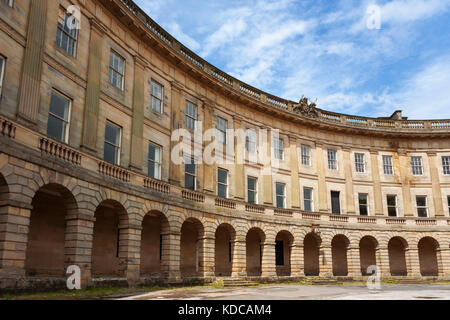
{"x": 306, "y": 292}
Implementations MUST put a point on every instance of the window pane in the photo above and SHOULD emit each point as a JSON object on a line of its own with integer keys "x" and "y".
{"x": 251, "y": 196}
{"x": 190, "y": 168}
{"x": 112, "y": 134}
{"x": 59, "y": 106}
{"x": 222, "y": 191}
{"x": 189, "y": 182}
{"x": 392, "y": 201}
{"x": 392, "y": 212}
{"x": 251, "y": 184}
{"x": 110, "y": 153}
{"x": 363, "y": 199}
{"x": 280, "y": 189}
{"x": 280, "y": 202}
{"x": 421, "y": 201}
{"x": 151, "y": 169}
{"x": 335, "y": 203}
{"x": 55, "y": 128}
{"x": 222, "y": 176}
{"x": 422, "y": 212}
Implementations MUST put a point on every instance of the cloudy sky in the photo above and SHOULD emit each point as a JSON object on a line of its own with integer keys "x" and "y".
{"x": 323, "y": 49}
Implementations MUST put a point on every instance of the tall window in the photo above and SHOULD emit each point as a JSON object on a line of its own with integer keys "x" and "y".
{"x": 252, "y": 186}
{"x": 445, "y": 163}
{"x": 387, "y": 165}
{"x": 359, "y": 163}
{"x": 363, "y": 204}
{"x": 112, "y": 143}
{"x": 422, "y": 208}
{"x": 250, "y": 141}
{"x": 392, "y": 205}
{"x": 279, "y": 149}
{"x": 416, "y": 164}
{"x": 222, "y": 183}
{"x": 281, "y": 195}
{"x": 335, "y": 202}
{"x": 116, "y": 70}
{"x": 2, "y": 72}
{"x": 191, "y": 115}
{"x": 308, "y": 199}
{"x": 279, "y": 253}
{"x": 59, "y": 117}
{"x": 332, "y": 160}
{"x": 154, "y": 161}
{"x": 66, "y": 38}
{"x": 190, "y": 174}
{"x": 157, "y": 97}
{"x": 306, "y": 156}
{"x": 222, "y": 130}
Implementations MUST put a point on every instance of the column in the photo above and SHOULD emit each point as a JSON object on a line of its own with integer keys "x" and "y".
{"x": 137, "y": 130}
{"x": 209, "y": 170}
{"x": 377, "y": 194}
{"x": 437, "y": 192}
{"x": 239, "y": 268}
{"x": 325, "y": 261}
{"x": 349, "y": 196}
{"x": 297, "y": 260}
{"x": 403, "y": 165}
{"x": 413, "y": 262}
{"x": 354, "y": 262}
{"x": 323, "y": 205}
{"x": 239, "y": 160}
{"x": 382, "y": 254}
{"x": 175, "y": 170}
{"x": 29, "y": 92}
{"x": 444, "y": 262}
{"x": 130, "y": 251}
{"x": 268, "y": 268}
{"x": 92, "y": 105}
{"x": 14, "y": 225}
{"x": 170, "y": 263}
{"x": 206, "y": 246}
{"x": 295, "y": 183}
{"x": 78, "y": 244}
{"x": 267, "y": 177}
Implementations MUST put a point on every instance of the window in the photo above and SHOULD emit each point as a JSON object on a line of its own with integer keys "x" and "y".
{"x": 156, "y": 97}
{"x": 332, "y": 160}
{"x": 66, "y": 38}
{"x": 59, "y": 117}
{"x": 191, "y": 115}
{"x": 359, "y": 163}
{"x": 279, "y": 149}
{"x": 392, "y": 205}
{"x": 222, "y": 183}
{"x": 306, "y": 156}
{"x": 154, "y": 161}
{"x": 308, "y": 199}
{"x": 335, "y": 202}
{"x": 250, "y": 141}
{"x": 190, "y": 174}
{"x": 445, "y": 160}
{"x": 281, "y": 195}
{"x": 448, "y": 202}
{"x": 416, "y": 164}
{"x": 422, "y": 209}
{"x": 116, "y": 70}
{"x": 112, "y": 143}
{"x": 252, "y": 186}
{"x": 279, "y": 253}
{"x": 2, "y": 72}
{"x": 387, "y": 165}
{"x": 363, "y": 204}
{"x": 222, "y": 130}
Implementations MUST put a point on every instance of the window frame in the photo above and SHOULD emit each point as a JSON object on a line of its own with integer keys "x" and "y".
{"x": 222, "y": 131}
{"x": 332, "y": 161}
{"x": 154, "y": 97}
{"x": 250, "y": 140}
{"x": 194, "y": 175}
{"x": 395, "y": 197}
{"x": 189, "y": 116}
{"x": 69, "y": 114}
{"x": 278, "y": 148}
{"x": 306, "y": 156}
{"x": 226, "y": 184}
{"x": 417, "y": 165}
{"x": 112, "y": 69}
{"x": 311, "y": 200}
{"x": 68, "y": 35}
{"x": 250, "y": 190}
{"x": 118, "y": 147}
{"x": 360, "y": 162}
{"x": 364, "y": 205}
{"x": 333, "y": 212}
{"x": 422, "y": 207}
{"x": 388, "y": 166}
{"x": 445, "y": 164}
{"x": 2, "y": 73}
{"x": 155, "y": 163}
{"x": 279, "y": 195}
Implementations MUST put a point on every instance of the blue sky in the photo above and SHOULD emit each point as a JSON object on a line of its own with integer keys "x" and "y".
{"x": 323, "y": 49}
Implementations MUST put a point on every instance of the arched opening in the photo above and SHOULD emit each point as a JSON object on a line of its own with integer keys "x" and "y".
{"x": 339, "y": 246}
{"x": 311, "y": 246}
{"x": 283, "y": 245}
{"x": 254, "y": 251}
{"x": 224, "y": 245}
{"x": 428, "y": 257}
{"x": 153, "y": 251}
{"x": 46, "y": 236}
{"x": 367, "y": 252}
{"x": 106, "y": 244}
{"x": 190, "y": 255}
{"x": 397, "y": 257}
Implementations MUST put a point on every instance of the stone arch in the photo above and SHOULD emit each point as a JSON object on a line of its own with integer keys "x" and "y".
{"x": 255, "y": 240}
{"x": 368, "y": 246}
{"x": 311, "y": 252}
{"x": 225, "y": 237}
{"x": 397, "y": 248}
{"x": 191, "y": 252}
{"x": 46, "y": 249}
{"x": 428, "y": 256}
{"x": 109, "y": 239}
{"x": 339, "y": 247}
{"x": 283, "y": 249}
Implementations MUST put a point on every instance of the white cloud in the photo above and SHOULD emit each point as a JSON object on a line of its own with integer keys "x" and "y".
{"x": 175, "y": 30}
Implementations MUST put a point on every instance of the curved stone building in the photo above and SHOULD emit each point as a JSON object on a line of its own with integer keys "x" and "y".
{"x": 87, "y": 119}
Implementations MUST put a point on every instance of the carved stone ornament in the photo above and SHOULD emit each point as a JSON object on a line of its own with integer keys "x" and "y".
{"x": 305, "y": 108}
